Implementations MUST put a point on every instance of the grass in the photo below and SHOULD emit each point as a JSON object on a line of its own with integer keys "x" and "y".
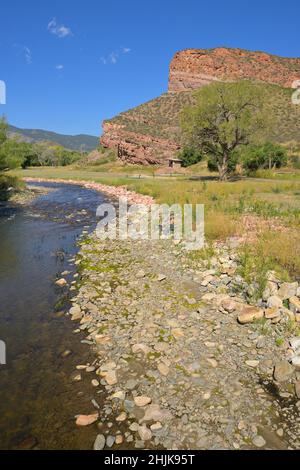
{"x": 271, "y": 206}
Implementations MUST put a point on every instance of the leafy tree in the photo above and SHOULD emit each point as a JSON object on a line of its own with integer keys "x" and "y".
{"x": 189, "y": 156}
{"x": 212, "y": 162}
{"x": 225, "y": 117}
{"x": 12, "y": 154}
{"x": 267, "y": 156}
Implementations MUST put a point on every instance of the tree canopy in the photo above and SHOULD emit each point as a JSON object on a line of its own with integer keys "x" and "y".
{"x": 225, "y": 117}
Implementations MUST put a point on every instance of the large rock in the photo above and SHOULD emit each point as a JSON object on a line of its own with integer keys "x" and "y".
{"x": 274, "y": 301}
{"x": 294, "y": 304}
{"x": 271, "y": 313}
{"x": 283, "y": 371}
{"x": 287, "y": 290}
{"x": 270, "y": 289}
{"x": 76, "y": 313}
{"x": 249, "y": 314}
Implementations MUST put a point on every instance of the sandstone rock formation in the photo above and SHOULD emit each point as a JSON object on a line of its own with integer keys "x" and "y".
{"x": 137, "y": 148}
{"x": 150, "y": 133}
{"x": 193, "y": 68}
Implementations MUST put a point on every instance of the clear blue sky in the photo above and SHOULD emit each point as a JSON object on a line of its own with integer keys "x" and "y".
{"x": 69, "y": 64}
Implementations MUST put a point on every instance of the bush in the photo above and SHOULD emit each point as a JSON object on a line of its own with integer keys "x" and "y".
{"x": 8, "y": 184}
{"x": 295, "y": 161}
{"x": 189, "y": 156}
{"x": 264, "y": 157}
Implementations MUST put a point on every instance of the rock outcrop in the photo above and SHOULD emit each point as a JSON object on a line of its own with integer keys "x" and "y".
{"x": 193, "y": 68}
{"x": 150, "y": 133}
{"x": 137, "y": 148}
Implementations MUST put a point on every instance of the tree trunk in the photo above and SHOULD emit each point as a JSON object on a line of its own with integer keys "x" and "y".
{"x": 223, "y": 168}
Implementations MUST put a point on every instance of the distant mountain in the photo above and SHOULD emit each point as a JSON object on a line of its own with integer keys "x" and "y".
{"x": 82, "y": 142}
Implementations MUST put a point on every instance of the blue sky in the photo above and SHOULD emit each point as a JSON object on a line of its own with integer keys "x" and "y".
{"x": 69, "y": 64}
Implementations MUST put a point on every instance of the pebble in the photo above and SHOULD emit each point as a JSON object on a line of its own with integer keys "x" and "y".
{"x": 99, "y": 443}
{"x": 119, "y": 439}
{"x": 144, "y": 433}
{"x": 142, "y": 400}
{"x": 259, "y": 441}
{"x": 253, "y": 363}
{"x": 121, "y": 417}
{"x": 110, "y": 440}
{"x": 86, "y": 420}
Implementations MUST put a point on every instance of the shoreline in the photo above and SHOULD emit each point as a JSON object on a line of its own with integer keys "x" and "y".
{"x": 142, "y": 303}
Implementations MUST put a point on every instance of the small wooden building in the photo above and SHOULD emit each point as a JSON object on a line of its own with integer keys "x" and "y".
{"x": 175, "y": 163}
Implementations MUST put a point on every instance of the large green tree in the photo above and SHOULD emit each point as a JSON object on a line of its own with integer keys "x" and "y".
{"x": 225, "y": 117}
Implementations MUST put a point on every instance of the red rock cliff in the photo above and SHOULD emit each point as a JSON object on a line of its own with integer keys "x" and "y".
{"x": 193, "y": 68}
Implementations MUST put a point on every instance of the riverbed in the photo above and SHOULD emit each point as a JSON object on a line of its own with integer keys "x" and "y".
{"x": 37, "y": 243}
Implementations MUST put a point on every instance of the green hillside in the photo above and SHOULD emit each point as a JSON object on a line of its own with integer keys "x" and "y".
{"x": 81, "y": 142}
{"x": 160, "y": 116}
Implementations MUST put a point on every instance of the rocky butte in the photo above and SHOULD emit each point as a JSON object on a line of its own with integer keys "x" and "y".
{"x": 150, "y": 133}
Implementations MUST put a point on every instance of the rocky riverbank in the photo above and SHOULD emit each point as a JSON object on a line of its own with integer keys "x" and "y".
{"x": 182, "y": 360}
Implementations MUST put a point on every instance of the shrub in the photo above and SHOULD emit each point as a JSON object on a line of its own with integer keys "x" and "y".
{"x": 189, "y": 156}
{"x": 268, "y": 156}
{"x": 7, "y": 185}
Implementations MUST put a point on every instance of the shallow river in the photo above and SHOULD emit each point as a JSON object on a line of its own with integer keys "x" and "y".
{"x": 38, "y": 401}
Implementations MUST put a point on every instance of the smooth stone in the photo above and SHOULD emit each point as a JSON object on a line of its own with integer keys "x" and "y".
{"x": 142, "y": 400}
{"x": 99, "y": 443}
{"x": 86, "y": 420}
{"x": 119, "y": 439}
{"x": 144, "y": 433}
{"x": 122, "y": 417}
{"x": 259, "y": 441}
{"x": 110, "y": 440}
{"x": 163, "y": 369}
{"x": 61, "y": 282}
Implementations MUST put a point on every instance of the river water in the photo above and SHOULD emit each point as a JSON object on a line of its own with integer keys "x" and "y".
{"x": 38, "y": 400}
